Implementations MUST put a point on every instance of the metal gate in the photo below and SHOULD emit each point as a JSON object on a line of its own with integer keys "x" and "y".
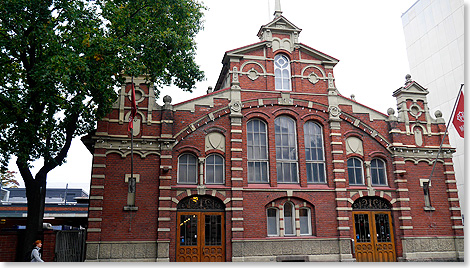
{"x": 70, "y": 246}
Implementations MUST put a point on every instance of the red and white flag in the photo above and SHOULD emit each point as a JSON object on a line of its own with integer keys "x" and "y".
{"x": 459, "y": 115}
{"x": 133, "y": 110}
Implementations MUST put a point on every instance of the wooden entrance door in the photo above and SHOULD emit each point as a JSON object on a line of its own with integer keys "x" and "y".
{"x": 373, "y": 236}
{"x": 200, "y": 237}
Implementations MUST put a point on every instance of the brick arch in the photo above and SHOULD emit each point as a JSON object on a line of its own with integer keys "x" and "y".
{"x": 189, "y": 149}
{"x": 257, "y": 114}
{"x": 194, "y": 192}
{"x": 283, "y": 111}
{"x": 316, "y": 118}
{"x": 283, "y": 199}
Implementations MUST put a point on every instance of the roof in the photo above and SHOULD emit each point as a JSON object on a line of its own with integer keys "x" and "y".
{"x": 53, "y": 195}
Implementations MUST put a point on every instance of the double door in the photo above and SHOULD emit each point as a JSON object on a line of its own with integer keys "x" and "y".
{"x": 200, "y": 237}
{"x": 373, "y": 236}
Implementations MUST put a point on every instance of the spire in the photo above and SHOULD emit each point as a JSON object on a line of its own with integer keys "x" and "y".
{"x": 277, "y": 9}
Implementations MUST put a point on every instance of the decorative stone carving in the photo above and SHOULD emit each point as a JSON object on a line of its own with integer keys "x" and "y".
{"x": 236, "y": 106}
{"x": 253, "y": 74}
{"x": 167, "y": 103}
{"x": 215, "y": 140}
{"x": 313, "y": 78}
{"x": 418, "y": 136}
{"x": 331, "y": 84}
{"x": 285, "y": 99}
{"x": 334, "y": 111}
{"x": 235, "y": 75}
{"x": 354, "y": 145}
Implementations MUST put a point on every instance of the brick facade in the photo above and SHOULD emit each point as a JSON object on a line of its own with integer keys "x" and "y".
{"x": 406, "y": 142}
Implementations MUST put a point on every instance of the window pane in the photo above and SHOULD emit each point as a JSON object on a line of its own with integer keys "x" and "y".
{"x": 282, "y": 72}
{"x": 313, "y": 136}
{"x": 187, "y": 169}
{"x": 188, "y": 230}
{"x": 304, "y": 221}
{"x": 288, "y": 219}
{"x": 272, "y": 222}
{"x": 214, "y": 169}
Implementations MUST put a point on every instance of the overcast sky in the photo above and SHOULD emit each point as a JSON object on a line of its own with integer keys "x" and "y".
{"x": 365, "y": 36}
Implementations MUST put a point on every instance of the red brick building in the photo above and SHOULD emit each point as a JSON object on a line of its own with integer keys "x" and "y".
{"x": 273, "y": 164}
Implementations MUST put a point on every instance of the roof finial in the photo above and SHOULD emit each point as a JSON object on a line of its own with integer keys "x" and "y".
{"x": 277, "y": 9}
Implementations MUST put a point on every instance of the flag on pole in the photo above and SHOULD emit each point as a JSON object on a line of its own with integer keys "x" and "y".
{"x": 133, "y": 110}
{"x": 459, "y": 115}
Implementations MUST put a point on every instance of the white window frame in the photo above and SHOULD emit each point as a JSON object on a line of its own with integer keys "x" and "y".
{"x": 361, "y": 164}
{"x": 254, "y": 160}
{"x": 309, "y": 221}
{"x": 179, "y": 168}
{"x": 223, "y": 169}
{"x": 276, "y": 221}
{"x": 372, "y": 170}
{"x": 292, "y": 221}
{"x": 309, "y": 136}
{"x": 282, "y": 161}
{"x": 282, "y": 74}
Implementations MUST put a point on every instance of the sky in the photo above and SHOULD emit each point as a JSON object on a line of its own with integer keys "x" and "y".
{"x": 366, "y": 36}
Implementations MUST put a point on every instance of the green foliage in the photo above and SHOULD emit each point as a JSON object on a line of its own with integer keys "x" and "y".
{"x": 7, "y": 179}
{"x": 61, "y": 60}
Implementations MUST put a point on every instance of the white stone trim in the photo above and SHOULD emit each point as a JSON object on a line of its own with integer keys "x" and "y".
{"x": 163, "y": 229}
{"x": 237, "y": 229}
{"x": 237, "y": 179}
{"x": 236, "y": 149}
{"x": 236, "y": 140}
{"x": 167, "y": 209}
{"x": 405, "y": 218}
{"x": 95, "y": 219}
{"x": 406, "y": 227}
{"x": 96, "y": 197}
{"x": 164, "y": 219}
{"x": 94, "y": 230}
{"x": 236, "y": 159}
{"x": 95, "y": 208}
{"x": 98, "y": 176}
{"x": 339, "y": 170}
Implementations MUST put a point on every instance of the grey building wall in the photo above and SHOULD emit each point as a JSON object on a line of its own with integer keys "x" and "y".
{"x": 434, "y": 35}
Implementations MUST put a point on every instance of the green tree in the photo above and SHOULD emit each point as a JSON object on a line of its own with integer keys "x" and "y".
{"x": 7, "y": 179}
{"x": 60, "y": 62}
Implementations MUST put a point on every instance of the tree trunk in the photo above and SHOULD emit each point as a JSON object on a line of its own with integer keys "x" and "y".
{"x": 35, "y": 195}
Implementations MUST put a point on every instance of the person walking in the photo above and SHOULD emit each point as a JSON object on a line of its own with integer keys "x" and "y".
{"x": 35, "y": 255}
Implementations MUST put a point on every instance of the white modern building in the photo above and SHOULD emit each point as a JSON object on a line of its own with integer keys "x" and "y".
{"x": 434, "y": 34}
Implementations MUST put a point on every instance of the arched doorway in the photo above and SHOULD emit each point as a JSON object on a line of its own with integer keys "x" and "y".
{"x": 373, "y": 230}
{"x": 200, "y": 229}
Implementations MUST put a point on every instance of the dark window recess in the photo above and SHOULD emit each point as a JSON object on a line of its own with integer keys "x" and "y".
{"x": 213, "y": 230}
{"x": 188, "y": 230}
{"x": 362, "y": 228}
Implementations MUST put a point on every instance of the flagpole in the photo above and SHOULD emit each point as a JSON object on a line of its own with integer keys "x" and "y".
{"x": 445, "y": 134}
{"x": 132, "y": 146}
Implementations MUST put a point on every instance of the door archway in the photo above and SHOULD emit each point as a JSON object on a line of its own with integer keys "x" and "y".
{"x": 373, "y": 230}
{"x": 200, "y": 229}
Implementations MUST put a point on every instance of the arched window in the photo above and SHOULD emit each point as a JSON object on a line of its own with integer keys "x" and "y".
{"x": 214, "y": 169}
{"x": 377, "y": 170}
{"x": 187, "y": 169}
{"x": 282, "y": 72}
{"x": 289, "y": 219}
{"x": 314, "y": 153}
{"x": 257, "y": 151}
{"x": 273, "y": 221}
{"x": 286, "y": 150}
{"x": 305, "y": 221}
{"x": 355, "y": 171}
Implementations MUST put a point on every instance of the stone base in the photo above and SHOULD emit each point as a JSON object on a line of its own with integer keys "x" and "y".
{"x": 435, "y": 249}
{"x": 292, "y": 250}
{"x": 121, "y": 251}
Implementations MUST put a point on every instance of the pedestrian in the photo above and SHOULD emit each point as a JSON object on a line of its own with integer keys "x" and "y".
{"x": 35, "y": 255}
